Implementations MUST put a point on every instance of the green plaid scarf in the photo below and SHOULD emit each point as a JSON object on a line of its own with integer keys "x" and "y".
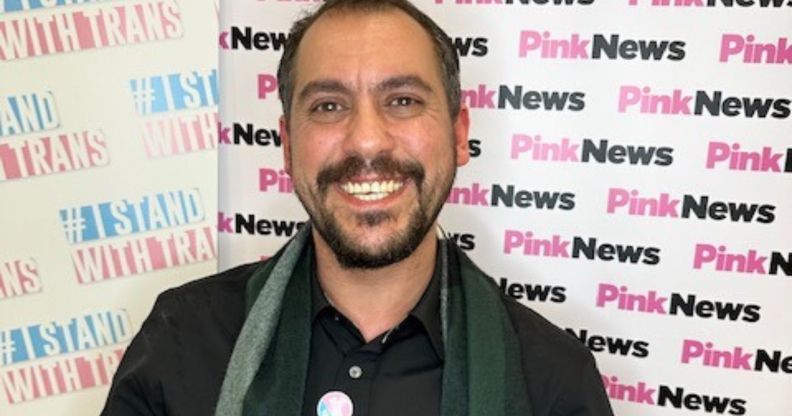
{"x": 482, "y": 374}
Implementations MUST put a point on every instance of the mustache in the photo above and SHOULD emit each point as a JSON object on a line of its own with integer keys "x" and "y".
{"x": 381, "y": 165}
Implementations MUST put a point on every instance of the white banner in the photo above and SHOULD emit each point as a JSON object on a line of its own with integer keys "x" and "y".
{"x": 108, "y": 189}
{"x": 630, "y": 180}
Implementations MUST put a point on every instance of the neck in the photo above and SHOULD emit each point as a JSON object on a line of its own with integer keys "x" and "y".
{"x": 376, "y": 300}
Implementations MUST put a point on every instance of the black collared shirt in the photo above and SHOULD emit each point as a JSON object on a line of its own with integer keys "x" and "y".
{"x": 397, "y": 373}
{"x": 176, "y": 363}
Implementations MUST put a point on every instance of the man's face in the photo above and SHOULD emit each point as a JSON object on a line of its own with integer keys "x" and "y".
{"x": 370, "y": 143}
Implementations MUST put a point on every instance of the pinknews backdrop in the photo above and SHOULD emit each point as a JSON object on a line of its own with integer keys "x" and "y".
{"x": 108, "y": 189}
{"x": 630, "y": 179}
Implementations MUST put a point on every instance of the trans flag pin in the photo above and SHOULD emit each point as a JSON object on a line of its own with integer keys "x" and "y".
{"x": 334, "y": 403}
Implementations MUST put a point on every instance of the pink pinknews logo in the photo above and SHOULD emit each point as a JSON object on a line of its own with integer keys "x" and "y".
{"x": 275, "y": 180}
{"x": 677, "y": 102}
{"x": 536, "y": 148}
{"x": 528, "y": 244}
{"x": 510, "y": 196}
{"x": 752, "y": 52}
{"x": 546, "y": 45}
{"x": 518, "y": 97}
{"x": 267, "y": 85}
{"x": 690, "y": 305}
{"x": 707, "y": 354}
{"x": 731, "y": 156}
{"x": 643, "y": 392}
{"x": 704, "y": 207}
{"x": 719, "y": 258}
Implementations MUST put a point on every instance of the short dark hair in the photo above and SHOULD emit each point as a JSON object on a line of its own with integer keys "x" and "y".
{"x": 444, "y": 49}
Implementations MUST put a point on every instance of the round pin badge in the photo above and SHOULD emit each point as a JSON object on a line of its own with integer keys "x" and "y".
{"x": 334, "y": 403}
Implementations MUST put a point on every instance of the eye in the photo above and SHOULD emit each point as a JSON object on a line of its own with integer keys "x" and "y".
{"x": 328, "y": 111}
{"x": 326, "y": 107}
{"x": 405, "y": 106}
{"x": 403, "y": 102}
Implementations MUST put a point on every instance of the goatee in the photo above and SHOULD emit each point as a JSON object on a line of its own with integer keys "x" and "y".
{"x": 350, "y": 253}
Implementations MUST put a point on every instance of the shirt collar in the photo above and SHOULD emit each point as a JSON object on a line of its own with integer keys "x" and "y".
{"x": 426, "y": 311}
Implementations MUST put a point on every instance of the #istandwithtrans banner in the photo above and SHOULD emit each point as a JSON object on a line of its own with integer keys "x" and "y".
{"x": 108, "y": 131}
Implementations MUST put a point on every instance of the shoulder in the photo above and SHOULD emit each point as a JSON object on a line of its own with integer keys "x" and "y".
{"x": 210, "y": 304}
{"x": 544, "y": 341}
{"x": 546, "y": 349}
{"x": 561, "y": 373}
{"x": 188, "y": 335}
{"x": 231, "y": 282}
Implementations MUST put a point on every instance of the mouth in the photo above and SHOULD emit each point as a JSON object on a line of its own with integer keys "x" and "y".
{"x": 372, "y": 190}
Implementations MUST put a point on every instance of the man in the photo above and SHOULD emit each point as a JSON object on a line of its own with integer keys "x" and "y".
{"x": 366, "y": 311}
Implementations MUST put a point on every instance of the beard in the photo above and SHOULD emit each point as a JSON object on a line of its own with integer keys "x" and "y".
{"x": 349, "y": 252}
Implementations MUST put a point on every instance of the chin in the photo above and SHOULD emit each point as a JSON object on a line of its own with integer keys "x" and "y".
{"x": 375, "y": 248}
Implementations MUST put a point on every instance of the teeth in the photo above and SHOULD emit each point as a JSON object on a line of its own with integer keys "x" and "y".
{"x": 371, "y": 191}
{"x": 372, "y": 197}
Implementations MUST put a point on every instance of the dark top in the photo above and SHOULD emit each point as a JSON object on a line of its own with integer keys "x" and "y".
{"x": 176, "y": 363}
{"x": 397, "y": 373}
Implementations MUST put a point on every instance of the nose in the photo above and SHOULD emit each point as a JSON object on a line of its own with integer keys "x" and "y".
{"x": 368, "y": 134}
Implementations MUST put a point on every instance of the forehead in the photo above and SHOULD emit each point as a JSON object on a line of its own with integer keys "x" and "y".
{"x": 366, "y": 47}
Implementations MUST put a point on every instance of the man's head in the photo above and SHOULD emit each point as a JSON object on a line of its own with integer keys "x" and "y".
{"x": 447, "y": 59}
{"x": 370, "y": 138}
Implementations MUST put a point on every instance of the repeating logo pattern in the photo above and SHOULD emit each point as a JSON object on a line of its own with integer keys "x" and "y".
{"x": 628, "y": 180}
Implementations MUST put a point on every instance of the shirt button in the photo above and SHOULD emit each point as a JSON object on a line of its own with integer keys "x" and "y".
{"x": 355, "y": 372}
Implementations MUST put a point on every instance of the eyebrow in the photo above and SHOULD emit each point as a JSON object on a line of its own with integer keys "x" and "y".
{"x": 323, "y": 86}
{"x": 389, "y": 84}
{"x": 402, "y": 81}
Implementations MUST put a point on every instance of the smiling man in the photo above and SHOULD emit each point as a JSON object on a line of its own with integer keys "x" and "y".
{"x": 367, "y": 311}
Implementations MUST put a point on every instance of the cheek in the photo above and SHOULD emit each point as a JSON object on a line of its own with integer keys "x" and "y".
{"x": 312, "y": 149}
{"x": 433, "y": 146}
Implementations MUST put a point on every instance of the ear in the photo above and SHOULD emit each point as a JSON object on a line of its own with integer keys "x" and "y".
{"x": 461, "y": 130}
{"x": 286, "y": 142}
